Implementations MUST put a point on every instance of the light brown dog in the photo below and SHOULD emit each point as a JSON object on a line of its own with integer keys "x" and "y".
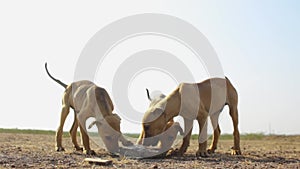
{"x": 165, "y": 140}
{"x": 88, "y": 100}
{"x": 153, "y": 101}
{"x": 194, "y": 101}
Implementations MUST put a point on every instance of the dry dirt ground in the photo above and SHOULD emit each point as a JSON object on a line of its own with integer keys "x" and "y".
{"x": 37, "y": 151}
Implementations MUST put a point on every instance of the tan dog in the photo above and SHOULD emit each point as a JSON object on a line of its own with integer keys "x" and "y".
{"x": 88, "y": 100}
{"x": 194, "y": 101}
{"x": 153, "y": 102}
{"x": 171, "y": 129}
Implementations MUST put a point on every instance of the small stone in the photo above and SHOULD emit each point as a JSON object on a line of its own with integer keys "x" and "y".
{"x": 154, "y": 166}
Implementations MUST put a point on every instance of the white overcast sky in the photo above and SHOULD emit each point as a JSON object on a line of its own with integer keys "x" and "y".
{"x": 257, "y": 43}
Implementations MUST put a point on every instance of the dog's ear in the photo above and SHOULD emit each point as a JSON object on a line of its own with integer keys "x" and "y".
{"x": 158, "y": 111}
{"x": 113, "y": 121}
{"x": 112, "y": 118}
{"x": 117, "y": 116}
{"x": 178, "y": 127}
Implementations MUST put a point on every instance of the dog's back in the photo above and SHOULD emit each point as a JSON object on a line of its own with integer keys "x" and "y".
{"x": 78, "y": 93}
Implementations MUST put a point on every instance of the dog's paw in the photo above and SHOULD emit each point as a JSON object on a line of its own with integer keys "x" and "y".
{"x": 77, "y": 148}
{"x": 211, "y": 151}
{"x": 176, "y": 152}
{"x": 59, "y": 149}
{"x": 202, "y": 154}
{"x": 89, "y": 152}
{"x": 169, "y": 152}
{"x": 235, "y": 151}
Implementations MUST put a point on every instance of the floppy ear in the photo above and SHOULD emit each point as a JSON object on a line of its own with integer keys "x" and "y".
{"x": 178, "y": 127}
{"x": 110, "y": 102}
{"x": 158, "y": 111}
{"x": 117, "y": 116}
{"x": 161, "y": 105}
{"x": 113, "y": 121}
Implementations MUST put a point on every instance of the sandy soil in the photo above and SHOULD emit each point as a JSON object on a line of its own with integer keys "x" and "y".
{"x": 37, "y": 151}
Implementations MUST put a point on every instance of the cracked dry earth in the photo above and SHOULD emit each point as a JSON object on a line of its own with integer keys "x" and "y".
{"x": 37, "y": 151}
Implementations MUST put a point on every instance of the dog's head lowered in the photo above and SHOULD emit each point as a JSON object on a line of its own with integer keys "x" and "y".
{"x": 157, "y": 110}
{"x": 109, "y": 131}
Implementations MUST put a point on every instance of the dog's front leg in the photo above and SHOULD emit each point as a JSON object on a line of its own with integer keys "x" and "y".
{"x": 84, "y": 136}
{"x": 214, "y": 121}
{"x": 188, "y": 127}
{"x": 73, "y": 134}
{"x": 141, "y": 137}
{"x": 202, "y": 138}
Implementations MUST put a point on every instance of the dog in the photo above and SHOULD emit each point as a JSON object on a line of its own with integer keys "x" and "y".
{"x": 153, "y": 101}
{"x": 89, "y": 100}
{"x": 194, "y": 101}
{"x": 166, "y": 139}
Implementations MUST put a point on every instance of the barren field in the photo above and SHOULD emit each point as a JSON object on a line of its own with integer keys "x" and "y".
{"x": 21, "y": 150}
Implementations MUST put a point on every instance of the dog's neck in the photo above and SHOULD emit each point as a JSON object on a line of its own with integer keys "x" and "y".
{"x": 169, "y": 114}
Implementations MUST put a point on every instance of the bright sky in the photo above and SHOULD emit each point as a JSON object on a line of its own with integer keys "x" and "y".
{"x": 257, "y": 43}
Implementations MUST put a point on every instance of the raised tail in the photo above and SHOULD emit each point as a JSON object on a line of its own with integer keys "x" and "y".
{"x": 56, "y": 80}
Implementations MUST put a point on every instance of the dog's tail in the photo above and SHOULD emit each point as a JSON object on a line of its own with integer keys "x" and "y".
{"x": 56, "y": 80}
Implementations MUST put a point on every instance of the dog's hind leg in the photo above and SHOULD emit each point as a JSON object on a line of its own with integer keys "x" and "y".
{"x": 232, "y": 102}
{"x": 64, "y": 113}
{"x": 236, "y": 150}
{"x": 73, "y": 134}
